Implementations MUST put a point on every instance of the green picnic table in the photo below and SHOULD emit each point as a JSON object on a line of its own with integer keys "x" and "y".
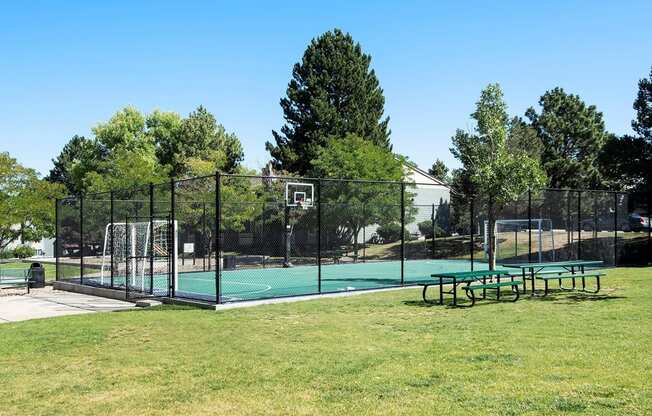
{"x": 570, "y": 269}
{"x": 473, "y": 280}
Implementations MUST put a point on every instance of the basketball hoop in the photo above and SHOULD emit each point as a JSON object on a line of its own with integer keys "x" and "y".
{"x": 299, "y": 195}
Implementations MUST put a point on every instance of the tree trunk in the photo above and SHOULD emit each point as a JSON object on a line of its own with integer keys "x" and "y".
{"x": 492, "y": 235}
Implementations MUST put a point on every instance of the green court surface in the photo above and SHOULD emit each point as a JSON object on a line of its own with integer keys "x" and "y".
{"x": 271, "y": 282}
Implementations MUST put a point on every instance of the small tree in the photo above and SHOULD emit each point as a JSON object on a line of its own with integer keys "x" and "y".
{"x": 498, "y": 173}
{"x": 358, "y": 205}
{"x": 439, "y": 170}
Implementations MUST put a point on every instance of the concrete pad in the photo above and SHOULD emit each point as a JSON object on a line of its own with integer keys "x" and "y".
{"x": 46, "y": 303}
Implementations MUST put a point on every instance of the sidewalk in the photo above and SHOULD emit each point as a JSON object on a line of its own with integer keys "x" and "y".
{"x": 46, "y": 303}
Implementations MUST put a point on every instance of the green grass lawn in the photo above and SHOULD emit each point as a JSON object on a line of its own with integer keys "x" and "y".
{"x": 50, "y": 268}
{"x": 381, "y": 353}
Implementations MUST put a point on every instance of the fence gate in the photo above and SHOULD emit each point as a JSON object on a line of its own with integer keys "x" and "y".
{"x": 149, "y": 250}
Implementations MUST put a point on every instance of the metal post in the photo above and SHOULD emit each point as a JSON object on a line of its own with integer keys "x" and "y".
{"x": 128, "y": 241}
{"x": 151, "y": 238}
{"x": 57, "y": 237}
{"x": 173, "y": 204}
{"x": 434, "y": 231}
{"x": 111, "y": 236}
{"x": 203, "y": 237}
{"x": 579, "y": 225}
{"x": 81, "y": 239}
{"x": 471, "y": 204}
{"x": 569, "y": 227}
{"x": 319, "y": 236}
{"x": 402, "y": 232}
{"x": 218, "y": 240}
{"x": 364, "y": 234}
{"x": 262, "y": 233}
{"x": 529, "y": 227}
{"x": 615, "y": 228}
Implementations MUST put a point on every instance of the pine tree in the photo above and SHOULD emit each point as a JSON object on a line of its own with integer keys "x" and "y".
{"x": 332, "y": 93}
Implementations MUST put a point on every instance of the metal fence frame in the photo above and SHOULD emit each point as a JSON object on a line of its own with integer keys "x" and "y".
{"x": 572, "y": 196}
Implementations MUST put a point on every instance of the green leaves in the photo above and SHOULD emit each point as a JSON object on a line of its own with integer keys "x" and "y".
{"x": 572, "y": 135}
{"x": 332, "y": 93}
{"x": 133, "y": 149}
{"x": 26, "y": 207}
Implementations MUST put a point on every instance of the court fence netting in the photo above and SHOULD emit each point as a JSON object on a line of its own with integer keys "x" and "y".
{"x": 228, "y": 238}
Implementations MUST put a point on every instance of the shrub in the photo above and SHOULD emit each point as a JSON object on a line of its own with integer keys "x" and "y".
{"x": 425, "y": 228}
{"x": 22, "y": 252}
{"x": 391, "y": 232}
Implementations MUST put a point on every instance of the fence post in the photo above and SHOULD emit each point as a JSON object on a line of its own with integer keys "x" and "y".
{"x": 615, "y": 228}
{"x": 319, "y": 236}
{"x": 579, "y": 225}
{"x": 111, "y": 235}
{"x": 529, "y": 227}
{"x": 402, "y": 232}
{"x": 81, "y": 239}
{"x": 173, "y": 203}
{"x": 57, "y": 237}
{"x": 262, "y": 233}
{"x": 151, "y": 238}
{"x": 218, "y": 240}
{"x": 472, "y": 208}
{"x": 203, "y": 236}
{"x": 364, "y": 234}
{"x": 434, "y": 231}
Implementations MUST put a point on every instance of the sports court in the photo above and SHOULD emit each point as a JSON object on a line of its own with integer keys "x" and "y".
{"x": 261, "y": 283}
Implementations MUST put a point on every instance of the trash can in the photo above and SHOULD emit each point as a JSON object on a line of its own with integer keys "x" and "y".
{"x": 229, "y": 262}
{"x": 36, "y": 275}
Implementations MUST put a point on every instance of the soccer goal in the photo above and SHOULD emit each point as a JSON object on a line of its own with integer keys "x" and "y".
{"x": 134, "y": 249}
{"x": 512, "y": 237}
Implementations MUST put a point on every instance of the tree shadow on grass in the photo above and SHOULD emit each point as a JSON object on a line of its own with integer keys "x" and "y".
{"x": 560, "y": 296}
{"x": 553, "y": 296}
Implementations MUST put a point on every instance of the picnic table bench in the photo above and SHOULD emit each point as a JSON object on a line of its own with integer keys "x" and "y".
{"x": 472, "y": 281}
{"x": 563, "y": 270}
{"x": 14, "y": 282}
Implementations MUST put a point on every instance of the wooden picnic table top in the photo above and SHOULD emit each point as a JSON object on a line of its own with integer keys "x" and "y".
{"x": 568, "y": 263}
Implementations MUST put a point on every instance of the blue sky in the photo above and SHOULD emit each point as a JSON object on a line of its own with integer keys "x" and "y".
{"x": 64, "y": 66}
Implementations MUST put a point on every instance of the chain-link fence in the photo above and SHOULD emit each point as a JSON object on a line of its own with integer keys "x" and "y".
{"x": 226, "y": 238}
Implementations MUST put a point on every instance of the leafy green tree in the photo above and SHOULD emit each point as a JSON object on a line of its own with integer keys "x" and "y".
{"x": 523, "y": 137}
{"x": 26, "y": 203}
{"x": 439, "y": 170}
{"x": 497, "y": 173}
{"x": 129, "y": 155}
{"x": 626, "y": 161}
{"x": 132, "y": 149}
{"x": 126, "y": 168}
{"x": 354, "y": 205}
{"x": 333, "y": 92}
{"x": 572, "y": 135}
{"x": 197, "y": 137}
{"x": 164, "y": 129}
{"x": 643, "y": 106}
{"x": 78, "y": 156}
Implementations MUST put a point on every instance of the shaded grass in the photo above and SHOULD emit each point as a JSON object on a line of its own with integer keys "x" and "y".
{"x": 380, "y": 353}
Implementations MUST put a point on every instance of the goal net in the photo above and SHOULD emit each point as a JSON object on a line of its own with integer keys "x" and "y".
{"x": 512, "y": 239}
{"x": 135, "y": 251}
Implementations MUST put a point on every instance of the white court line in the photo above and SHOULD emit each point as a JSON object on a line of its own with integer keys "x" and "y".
{"x": 264, "y": 287}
